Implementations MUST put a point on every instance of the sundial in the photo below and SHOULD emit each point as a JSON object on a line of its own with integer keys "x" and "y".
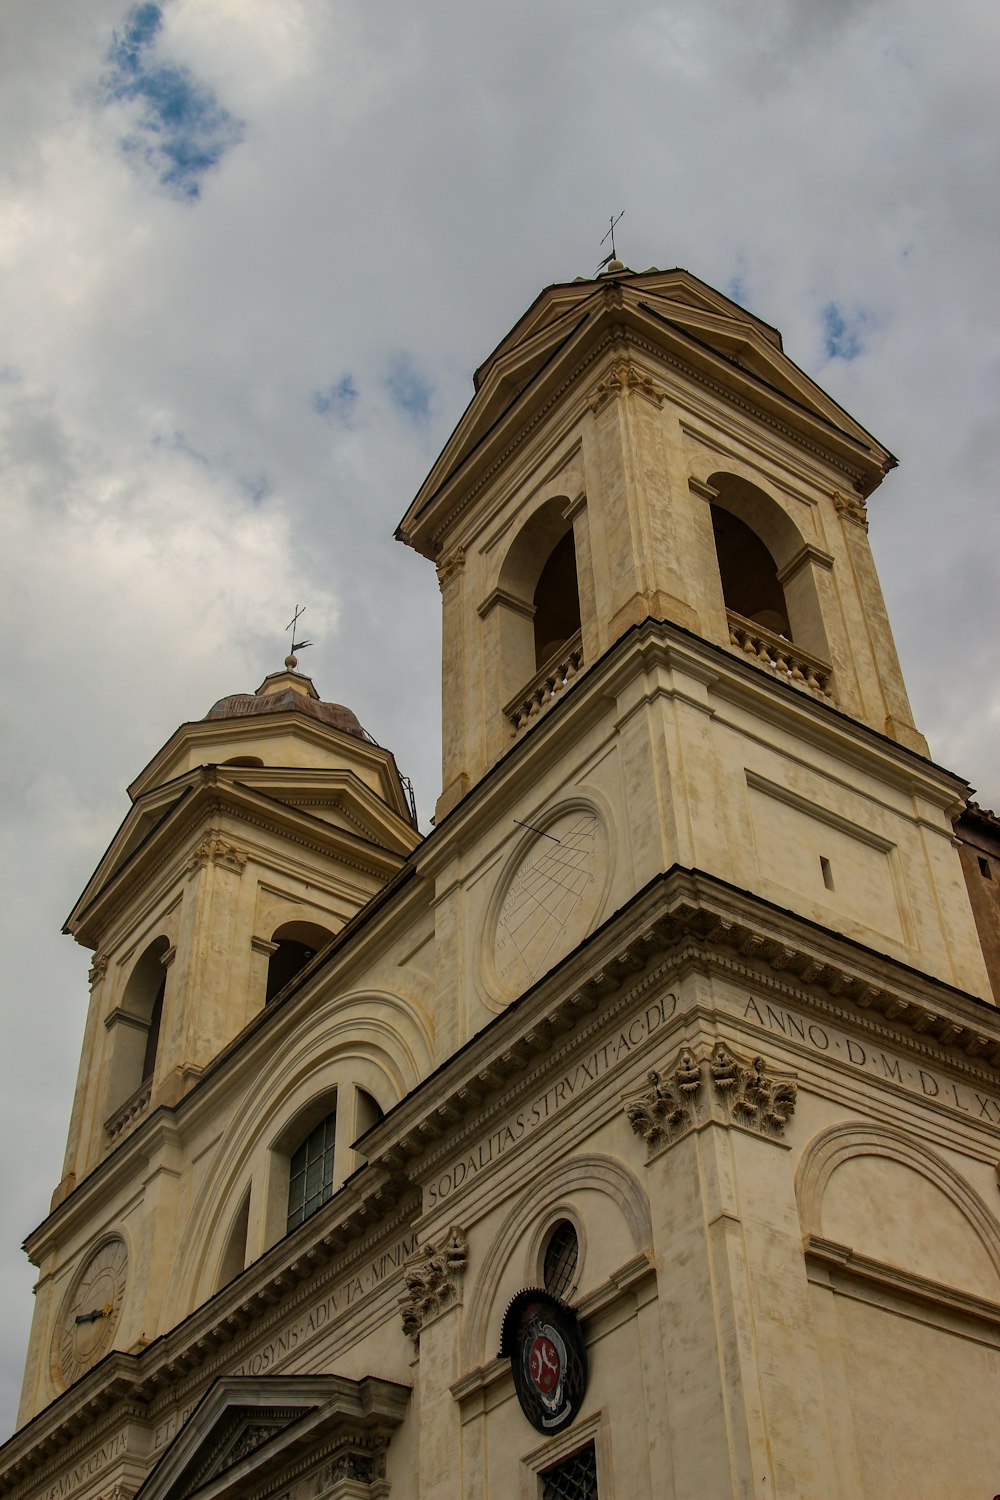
{"x": 549, "y": 901}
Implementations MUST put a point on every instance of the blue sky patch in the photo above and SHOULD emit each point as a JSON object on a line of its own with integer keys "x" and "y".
{"x": 844, "y": 332}
{"x": 338, "y": 401}
{"x": 183, "y": 130}
{"x": 410, "y": 390}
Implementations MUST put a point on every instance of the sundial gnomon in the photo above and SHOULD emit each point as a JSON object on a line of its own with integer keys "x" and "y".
{"x": 546, "y": 908}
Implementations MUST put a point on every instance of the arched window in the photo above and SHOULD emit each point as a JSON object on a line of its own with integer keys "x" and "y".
{"x": 243, "y": 760}
{"x": 562, "y": 1253}
{"x": 310, "y": 1173}
{"x": 749, "y": 576}
{"x": 296, "y": 943}
{"x": 235, "y": 1254}
{"x": 135, "y": 1024}
{"x": 556, "y": 601}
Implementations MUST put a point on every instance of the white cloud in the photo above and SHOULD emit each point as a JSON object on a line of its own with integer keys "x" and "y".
{"x": 405, "y": 180}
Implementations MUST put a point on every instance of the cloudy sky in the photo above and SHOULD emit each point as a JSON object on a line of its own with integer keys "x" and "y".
{"x": 252, "y": 250}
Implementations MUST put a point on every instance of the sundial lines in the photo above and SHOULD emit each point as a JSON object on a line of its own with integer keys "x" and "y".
{"x": 548, "y": 902}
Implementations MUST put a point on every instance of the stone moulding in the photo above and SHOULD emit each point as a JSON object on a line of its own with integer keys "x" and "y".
{"x": 432, "y": 1277}
{"x": 666, "y": 1108}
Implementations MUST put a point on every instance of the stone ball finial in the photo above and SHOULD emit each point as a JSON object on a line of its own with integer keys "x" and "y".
{"x": 291, "y": 662}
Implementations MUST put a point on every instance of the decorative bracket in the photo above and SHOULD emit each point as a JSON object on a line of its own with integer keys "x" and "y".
{"x": 217, "y": 850}
{"x": 431, "y": 1278}
{"x": 851, "y": 508}
{"x": 666, "y": 1108}
{"x": 752, "y": 1097}
{"x": 623, "y": 379}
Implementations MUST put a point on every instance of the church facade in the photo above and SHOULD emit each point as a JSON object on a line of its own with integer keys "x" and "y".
{"x": 634, "y": 1133}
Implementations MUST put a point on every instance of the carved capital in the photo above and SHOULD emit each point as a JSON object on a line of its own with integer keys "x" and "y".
{"x": 450, "y": 564}
{"x": 751, "y": 1096}
{"x": 851, "y": 508}
{"x": 98, "y": 968}
{"x": 217, "y": 850}
{"x": 625, "y": 379}
{"x": 666, "y": 1107}
{"x": 431, "y": 1278}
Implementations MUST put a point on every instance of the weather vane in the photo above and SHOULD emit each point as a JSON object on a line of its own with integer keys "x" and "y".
{"x": 611, "y": 236}
{"x": 291, "y": 660}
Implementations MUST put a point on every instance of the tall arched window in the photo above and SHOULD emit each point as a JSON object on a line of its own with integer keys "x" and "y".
{"x": 296, "y": 943}
{"x": 310, "y": 1172}
{"x": 135, "y": 1024}
{"x": 749, "y": 576}
{"x": 556, "y": 601}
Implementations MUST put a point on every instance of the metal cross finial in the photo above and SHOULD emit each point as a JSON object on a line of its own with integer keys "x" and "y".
{"x": 296, "y": 645}
{"x": 611, "y": 236}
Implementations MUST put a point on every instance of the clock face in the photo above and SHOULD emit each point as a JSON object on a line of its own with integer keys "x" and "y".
{"x": 550, "y": 901}
{"x": 91, "y": 1311}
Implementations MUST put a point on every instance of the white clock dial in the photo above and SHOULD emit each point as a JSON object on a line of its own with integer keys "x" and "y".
{"x": 550, "y": 901}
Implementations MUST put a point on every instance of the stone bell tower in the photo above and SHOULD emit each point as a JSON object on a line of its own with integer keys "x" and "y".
{"x": 642, "y": 461}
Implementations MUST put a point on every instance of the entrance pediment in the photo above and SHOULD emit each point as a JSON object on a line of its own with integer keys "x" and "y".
{"x": 254, "y": 1433}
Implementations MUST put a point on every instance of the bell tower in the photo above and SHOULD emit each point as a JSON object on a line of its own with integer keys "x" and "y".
{"x": 253, "y": 836}
{"x": 644, "y": 474}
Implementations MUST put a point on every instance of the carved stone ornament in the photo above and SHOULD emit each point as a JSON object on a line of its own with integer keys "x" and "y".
{"x": 667, "y": 1106}
{"x": 623, "y": 379}
{"x": 217, "y": 850}
{"x": 852, "y": 508}
{"x": 431, "y": 1277}
{"x": 98, "y": 968}
{"x": 451, "y": 564}
{"x": 751, "y": 1096}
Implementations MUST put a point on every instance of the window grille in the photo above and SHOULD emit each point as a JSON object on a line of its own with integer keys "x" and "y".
{"x": 561, "y": 1255}
{"x": 575, "y": 1478}
{"x": 310, "y": 1181}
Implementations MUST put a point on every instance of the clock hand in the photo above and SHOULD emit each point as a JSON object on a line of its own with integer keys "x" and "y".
{"x": 98, "y": 1312}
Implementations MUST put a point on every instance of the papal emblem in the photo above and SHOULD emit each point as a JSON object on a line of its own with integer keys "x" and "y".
{"x": 542, "y": 1338}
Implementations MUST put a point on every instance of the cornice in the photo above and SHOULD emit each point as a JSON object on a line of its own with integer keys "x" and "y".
{"x": 369, "y": 1209}
{"x": 621, "y": 336}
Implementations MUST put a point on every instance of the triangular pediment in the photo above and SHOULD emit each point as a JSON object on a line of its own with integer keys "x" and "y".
{"x": 669, "y": 314}
{"x": 332, "y": 807}
{"x": 248, "y": 1431}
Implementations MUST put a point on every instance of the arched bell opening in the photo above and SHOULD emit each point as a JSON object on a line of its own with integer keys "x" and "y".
{"x": 768, "y": 574}
{"x": 295, "y": 944}
{"x": 556, "y": 602}
{"x": 749, "y": 576}
{"x": 135, "y": 1024}
{"x": 538, "y": 605}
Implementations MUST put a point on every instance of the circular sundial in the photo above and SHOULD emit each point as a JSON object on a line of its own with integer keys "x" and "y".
{"x": 550, "y": 900}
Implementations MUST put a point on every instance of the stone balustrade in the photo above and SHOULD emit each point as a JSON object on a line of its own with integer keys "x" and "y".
{"x": 777, "y": 653}
{"x": 128, "y": 1114}
{"x": 547, "y": 683}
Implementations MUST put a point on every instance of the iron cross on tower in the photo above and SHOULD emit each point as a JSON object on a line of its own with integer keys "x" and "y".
{"x": 290, "y": 659}
{"x": 611, "y": 236}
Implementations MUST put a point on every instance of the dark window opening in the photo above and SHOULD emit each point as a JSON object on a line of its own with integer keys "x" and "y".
{"x": 750, "y": 584}
{"x": 243, "y": 760}
{"x": 153, "y": 1033}
{"x": 575, "y": 1478}
{"x": 310, "y": 1180}
{"x": 827, "y": 872}
{"x": 556, "y": 601}
{"x": 984, "y": 868}
{"x": 561, "y": 1255}
{"x": 289, "y": 957}
{"x": 295, "y": 944}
